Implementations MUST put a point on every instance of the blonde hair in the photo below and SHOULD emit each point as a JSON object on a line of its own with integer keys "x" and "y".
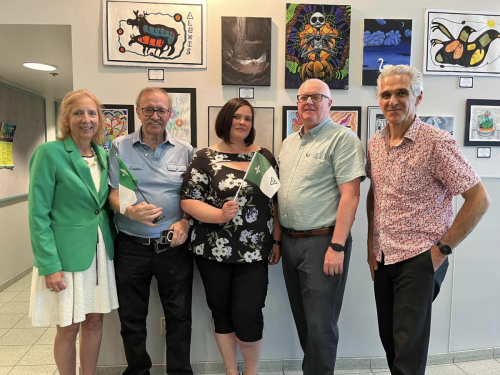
{"x": 64, "y": 112}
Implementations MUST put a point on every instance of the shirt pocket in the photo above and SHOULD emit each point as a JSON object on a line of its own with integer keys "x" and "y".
{"x": 175, "y": 173}
{"x": 136, "y": 169}
{"x": 314, "y": 164}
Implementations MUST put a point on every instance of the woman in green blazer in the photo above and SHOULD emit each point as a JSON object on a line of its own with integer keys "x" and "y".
{"x": 72, "y": 233}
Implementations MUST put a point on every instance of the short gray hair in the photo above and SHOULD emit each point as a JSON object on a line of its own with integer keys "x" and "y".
{"x": 151, "y": 89}
{"x": 417, "y": 83}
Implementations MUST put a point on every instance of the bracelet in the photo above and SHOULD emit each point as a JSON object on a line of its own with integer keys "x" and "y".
{"x": 276, "y": 242}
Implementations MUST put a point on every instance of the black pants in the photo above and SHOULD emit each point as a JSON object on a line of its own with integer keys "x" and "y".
{"x": 404, "y": 293}
{"x": 135, "y": 265}
{"x": 315, "y": 299}
{"x": 236, "y": 294}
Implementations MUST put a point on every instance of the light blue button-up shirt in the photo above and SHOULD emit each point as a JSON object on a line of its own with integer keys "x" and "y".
{"x": 312, "y": 166}
{"x": 159, "y": 176}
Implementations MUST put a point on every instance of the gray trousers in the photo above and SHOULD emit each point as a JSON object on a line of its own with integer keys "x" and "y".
{"x": 315, "y": 299}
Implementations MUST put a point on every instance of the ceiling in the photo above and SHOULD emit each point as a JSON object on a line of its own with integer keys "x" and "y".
{"x": 49, "y": 44}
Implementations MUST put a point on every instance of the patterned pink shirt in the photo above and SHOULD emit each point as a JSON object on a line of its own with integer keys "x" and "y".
{"x": 413, "y": 185}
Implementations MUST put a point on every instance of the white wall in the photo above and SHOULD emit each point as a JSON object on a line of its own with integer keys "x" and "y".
{"x": 358, "y": 329}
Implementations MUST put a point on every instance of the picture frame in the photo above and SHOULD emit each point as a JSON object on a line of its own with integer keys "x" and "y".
{"x": 263, "y": 122}
{"x": 375, "y": 122}
{"x": 466, "y": 82}
{"x": 482, "y": 126}
{"x": 246, "y": 92}
{"x": 161, "y": 33}
{"x": 155, "y": 75}
{"x": 120, "y": 121}
{"x": 182, "y": 121}
{"x": 483, "y": 152}
{"x": 347, "y": 116}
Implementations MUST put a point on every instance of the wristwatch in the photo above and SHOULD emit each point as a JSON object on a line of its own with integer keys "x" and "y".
{"x": 445, "y": 249}
{"x": 337, "y": 247}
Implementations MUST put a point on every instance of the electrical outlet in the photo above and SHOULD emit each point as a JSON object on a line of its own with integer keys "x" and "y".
{"x": 163, "y": 331}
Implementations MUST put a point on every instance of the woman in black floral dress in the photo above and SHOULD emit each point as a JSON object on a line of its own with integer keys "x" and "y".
{"x": 234, "y": 238}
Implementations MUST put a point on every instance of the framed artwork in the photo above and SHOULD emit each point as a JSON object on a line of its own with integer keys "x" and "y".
{"x": 347, "y": 116}
{"x": 246, "y": 51}
{"x": 385, "y": 41}
{"x": 376, "y": 121}
{"x": 317, "y": 44}
{"x": 155, "y": 34}
{"x": 481, "y": 127}
{"x": 182, "y": 122}
{"x": 461, "y": 42}
{"x": 440, "y": 122}
{"x": 263, "y": 122}
{"x": 119, "y": 121}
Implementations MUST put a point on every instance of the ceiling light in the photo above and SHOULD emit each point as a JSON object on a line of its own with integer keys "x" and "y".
{"x": 40, "y": 66}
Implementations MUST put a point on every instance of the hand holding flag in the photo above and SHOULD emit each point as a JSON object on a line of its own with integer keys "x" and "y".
{"x": 262, "y": 173}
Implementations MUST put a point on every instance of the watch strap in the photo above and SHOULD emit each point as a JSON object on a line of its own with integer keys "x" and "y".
{"x": 337, "y": 247}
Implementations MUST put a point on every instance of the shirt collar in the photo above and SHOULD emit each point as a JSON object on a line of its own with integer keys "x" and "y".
{"x": 138, "y": 137}
{"x": 314, "y": 131}
{"x": 411, "y": 133}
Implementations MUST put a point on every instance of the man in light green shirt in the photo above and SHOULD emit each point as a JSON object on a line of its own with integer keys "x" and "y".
{"x": 321, "y": 168}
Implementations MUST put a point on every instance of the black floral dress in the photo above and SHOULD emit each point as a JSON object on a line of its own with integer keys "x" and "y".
{"x": 248, "y": 237}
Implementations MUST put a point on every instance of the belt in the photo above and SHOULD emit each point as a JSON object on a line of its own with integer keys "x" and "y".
{"x": 140, "y": 240}
{"x": 308, "y": 233}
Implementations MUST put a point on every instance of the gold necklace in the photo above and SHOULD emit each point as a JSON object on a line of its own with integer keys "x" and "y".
{"x": 90, "y": 160}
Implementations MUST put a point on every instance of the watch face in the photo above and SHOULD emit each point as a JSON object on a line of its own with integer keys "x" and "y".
{"x": 445, "y": 249}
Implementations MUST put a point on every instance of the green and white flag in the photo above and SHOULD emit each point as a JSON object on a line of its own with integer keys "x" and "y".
{"x": 127, "y": 186}
{"x": 262, "y": 173}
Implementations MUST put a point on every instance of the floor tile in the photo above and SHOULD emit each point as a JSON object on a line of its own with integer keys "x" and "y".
{"x": 15, "y": 307}
{"x": 486, "y": 367}
{"x": 38, "y": 355}
{"x": 348, "y": 372}
{"x": 10, "y": 355}
{"x": 26, "y": 336}
{"x": 34, "y": 370}
{"x": 9, "y": 320}
{"x": 27, "y": 278}
{"x": 443, "y": 370}
{"x": 48, "y": 337}
{"x": 3, "y": 331}
{"x": 8, "y": 296}
{"x": 5, "y": 370}
{"x": 22, "y": 297}
{"x": 25, "y": 322}
{"x": 17, "y": 287}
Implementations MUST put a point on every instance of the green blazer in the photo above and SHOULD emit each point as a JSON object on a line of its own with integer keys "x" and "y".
{"x": 65, "y": 209}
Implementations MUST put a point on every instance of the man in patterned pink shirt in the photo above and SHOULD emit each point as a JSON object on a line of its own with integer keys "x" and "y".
{"x": 415, "y": 170}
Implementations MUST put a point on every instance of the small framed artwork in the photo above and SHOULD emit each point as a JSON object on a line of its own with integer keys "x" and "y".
{"x": 466, "y": 82}
{"x": 182, "y": 122}
{"x": 481, "y": 126}
{"x": 246, "y": 93}
{"x": 376, "y": 122}
{"x": 156, "y": 75}
{"x": 483, "y": 152}
{"x": 347, "y": 116}
{"x": 263, "y": 122}
{"x": 119, "y": 121}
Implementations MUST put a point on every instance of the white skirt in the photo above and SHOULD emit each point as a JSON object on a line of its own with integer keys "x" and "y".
{"x": 82, "y": 296}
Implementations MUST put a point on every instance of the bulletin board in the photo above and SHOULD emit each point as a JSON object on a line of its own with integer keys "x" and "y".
{"x": 27, "y": 112}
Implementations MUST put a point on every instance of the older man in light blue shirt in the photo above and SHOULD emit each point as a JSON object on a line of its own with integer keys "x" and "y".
{"x": 321, "y": 168}
{"x": 158, "y": 161}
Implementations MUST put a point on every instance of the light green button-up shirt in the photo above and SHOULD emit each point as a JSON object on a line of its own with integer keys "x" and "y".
{"x": 311, "y": 168}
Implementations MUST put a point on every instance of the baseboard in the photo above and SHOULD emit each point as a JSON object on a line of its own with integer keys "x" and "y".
{"x": 343, "y": 363}
{"x": 16, "y": 278}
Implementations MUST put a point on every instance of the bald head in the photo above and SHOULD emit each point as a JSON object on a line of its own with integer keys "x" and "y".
{"x": 313, "y": 112}
{"x": 317, "y": 85}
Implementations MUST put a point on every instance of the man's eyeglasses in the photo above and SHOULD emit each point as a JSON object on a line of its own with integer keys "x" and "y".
{"x": 316, "y": 98}
{"x": 150, "y": 112}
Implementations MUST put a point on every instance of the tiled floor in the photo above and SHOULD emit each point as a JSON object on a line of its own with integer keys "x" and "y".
{"x": 25, "y": 350}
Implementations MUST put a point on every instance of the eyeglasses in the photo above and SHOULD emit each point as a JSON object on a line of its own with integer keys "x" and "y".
{"x": 316, "y": 98}
{"x": 150, "y": 112}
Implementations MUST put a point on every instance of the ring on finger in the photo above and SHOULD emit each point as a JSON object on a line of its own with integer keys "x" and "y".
{"x": 51, "y": 289}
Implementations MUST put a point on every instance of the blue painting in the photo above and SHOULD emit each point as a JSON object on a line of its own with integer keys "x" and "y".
{"x": 386, "y": 41}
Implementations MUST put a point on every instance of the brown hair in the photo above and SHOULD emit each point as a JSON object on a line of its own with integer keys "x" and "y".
{"x": 224, "y": 120}
{"x": 64, "y": 112}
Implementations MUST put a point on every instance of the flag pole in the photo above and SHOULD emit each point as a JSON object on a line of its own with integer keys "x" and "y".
{"x": 245, "y": 176}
